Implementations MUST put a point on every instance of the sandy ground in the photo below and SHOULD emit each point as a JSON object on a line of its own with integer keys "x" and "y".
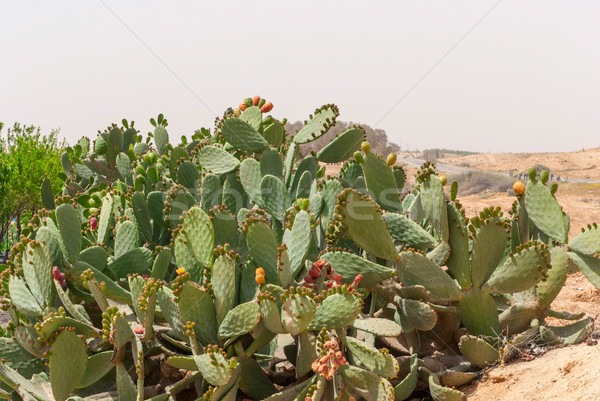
{"x": 581, "y": 164}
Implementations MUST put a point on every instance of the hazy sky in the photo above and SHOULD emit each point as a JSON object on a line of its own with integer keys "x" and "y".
{"x": 526, "y": 78}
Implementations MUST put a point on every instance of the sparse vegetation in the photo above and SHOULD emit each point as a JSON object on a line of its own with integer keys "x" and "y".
{"x": 474, "y": 182}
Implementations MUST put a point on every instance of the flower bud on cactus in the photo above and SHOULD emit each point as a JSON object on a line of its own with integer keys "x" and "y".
{"x": 544, "y": 177}
{"x": 519, "y": 188}
{"x": 443, "y": 180}
{"x": 94, "y": 223}
{"x": 391, "y": 159}
{"x": 532, "y": 174}
{"x": 58, "y": 276}
{"x": 242, "y": 106}
{"x": 262, "y": 102}
{"x": 148, "y": 158}
{"x": 248, "y": 101}
{"x": 358, "y": 157}
{"x": 303, "y": 203}
{"x": 366, "y": 146}
{"x": 267, "y": 107}
{"x": 553, "y": 188}
{"x": 237, "y": 112}
{"x": 255, "y": 100}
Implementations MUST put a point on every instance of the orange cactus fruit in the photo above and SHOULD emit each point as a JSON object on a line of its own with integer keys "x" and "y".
{"x": 267, "y": 107}
{"x": 255, "y": 100}
{"x": 519, "y": 188}
{"x": 242, "y": 106}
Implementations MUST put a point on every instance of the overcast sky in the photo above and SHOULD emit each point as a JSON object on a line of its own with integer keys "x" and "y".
{"x": 507, "y": 76}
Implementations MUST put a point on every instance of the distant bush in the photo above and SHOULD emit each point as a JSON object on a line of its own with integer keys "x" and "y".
{"x": 449, "y": 152}
{"x": 474, "y": 182}
{"x": 540, "y": 167}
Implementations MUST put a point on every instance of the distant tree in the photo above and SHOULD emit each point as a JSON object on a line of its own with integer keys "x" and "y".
{"x": 376, "y": 137}
{"x": 26, "y": 158}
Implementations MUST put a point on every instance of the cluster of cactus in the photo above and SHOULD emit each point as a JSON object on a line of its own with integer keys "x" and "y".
{"x": 227, "y": 267}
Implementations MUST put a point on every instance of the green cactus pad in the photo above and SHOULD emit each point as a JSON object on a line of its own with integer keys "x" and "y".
{"x": 262, "y": 246}
{"x": 77, "y": 313}
{"x": 458, "y": 376}
{"x": 318, "y": 125}
{"x": 17, "y": 357}
{"x": 170, "y": 310}
{"x": 254, "y": 382}
{"x": 274, "y": 196}
{"x": 297, "y": 312}
{"x": 112, "y": 289}
{"x": 26, "y": 386}
{"x": 105, "y": 217}
{"x": 587, "y": 243}
{"x": 248, "y": 285}
{"x": 366, "y": 226}
{"x": 573, "y": 333}
{"x": 250, "y": 177}
{"x": 441, "y": 393}
{"x": 489, "y": 246}
{"x": 373, "y": 359}
{"x": 434, "y": 205}
{"x": 22, "y": 298}
{"x": 289, "y": 162}
{"x": 137, "y": 260}
{"x": 589, "y": 266}
{"x": 478, "y": 313}
{"x": 161, "y": 264}
{"x": 416, "y": 269}
{"x": 440, "y": 253}
{"x": 545, "y": 212}
{"x": 243, "y": 135}
{"x": 199, "y": 235}
{"x": 95, "y": 256}
{"x": 217, "y": 160}
{"x": 161, "y": 138}
{"x": 336, "y": 311}
{"x": 478, "y": 351}
{"x": 298, "y": 241}
{"x": 274, "y": 134}
{"x": 183, "y": 362}
{"x": 70, "y": 229}
{"x": 37, "y": 269}
{"x": 68, "y": 360}
{"x": 349, "y": 265}
{"x": 214, "y": 368}
{"x": 271, "y": 163}
{"x": 184, "y": 258}
{"x": 271, "y": 317}
{"x": 98, "y": 366}
{"x": 127, "y": 238}
{"x": 196, "y": 305}
{"x": 368, "y": 385}
{"x": 381, "y": 182}
{"x": 330, "y": 191}
{"x": 343, "y": 146}
{"x": 53, "y": 241}
{"x": 405, "y": 388}
{"x": 187, "y": 175}
{"x": 408, "y": 232}
{"x": 223, "y": 279}
{"x": 458, "y": 261}
{"x": 302, "y": 190}
{"x": 309, "y": 163}
{"x": 416, "y": 315}
{"x": 521, "y": 271}
{"x": 549, "y": 337}
{"x": 548, "y": 290}
{"x": 240, "y": 320}
{"x": 378, "y": 326}
{"x": 518, "y": 317}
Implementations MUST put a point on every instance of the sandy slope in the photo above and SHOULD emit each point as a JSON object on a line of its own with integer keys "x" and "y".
{"x": 580, "y": 164}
